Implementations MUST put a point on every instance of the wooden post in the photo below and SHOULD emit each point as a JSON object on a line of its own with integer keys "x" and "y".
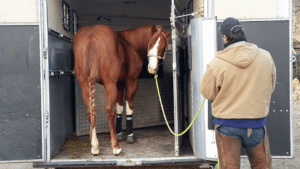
{"x": 198, "y": 6}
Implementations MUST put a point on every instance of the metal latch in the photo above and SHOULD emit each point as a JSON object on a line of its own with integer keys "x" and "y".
{"x": 174, "y": 66}
{"x": 60, "y": 72}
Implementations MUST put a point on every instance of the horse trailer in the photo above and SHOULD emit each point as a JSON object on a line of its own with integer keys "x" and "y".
{"x": 43, "y": 118}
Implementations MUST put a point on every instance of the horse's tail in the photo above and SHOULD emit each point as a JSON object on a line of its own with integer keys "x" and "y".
{"x": 92, "y": 104}
{"x": 92, "y": 64}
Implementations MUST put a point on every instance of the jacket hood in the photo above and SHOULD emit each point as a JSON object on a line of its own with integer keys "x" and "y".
{"x": 239, "y": 54}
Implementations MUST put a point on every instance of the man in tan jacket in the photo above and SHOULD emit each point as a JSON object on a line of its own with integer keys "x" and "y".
{"x": 240, "y": 80}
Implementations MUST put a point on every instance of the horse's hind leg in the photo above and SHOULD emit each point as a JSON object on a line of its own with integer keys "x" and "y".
{"x": 119, "y": 110}
{"x": 88, "y": 94}
{"x": 131, "y": 88}
{"x": 111, "y": 97}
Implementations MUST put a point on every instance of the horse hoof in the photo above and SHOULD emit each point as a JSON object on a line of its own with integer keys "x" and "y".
{"x": 117, "y": 151}
{"x": 120, "y": 136}
{"x": 95, "y": 151}
{"x": 131, "y": 139}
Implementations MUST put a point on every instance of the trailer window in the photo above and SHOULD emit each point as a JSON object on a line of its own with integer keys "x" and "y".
{"x": 75, "y": 21}
{"x": 66, "y": 16}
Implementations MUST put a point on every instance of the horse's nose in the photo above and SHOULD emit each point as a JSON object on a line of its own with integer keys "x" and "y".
{"x": 153, "y": 65}
{"x": 152, "y": 71}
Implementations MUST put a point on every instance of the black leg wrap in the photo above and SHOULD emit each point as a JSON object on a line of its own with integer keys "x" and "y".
{"x": 119, "y": 123}
{"x": 129, "y": 124}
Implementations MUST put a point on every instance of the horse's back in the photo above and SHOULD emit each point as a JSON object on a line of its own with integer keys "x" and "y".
{"x": 96, "y": 50}
{"x": 102, "y": 35}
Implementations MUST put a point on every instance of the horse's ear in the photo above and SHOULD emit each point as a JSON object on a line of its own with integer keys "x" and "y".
{"x": 156, "y": 28}
{"x": 159, "y": 28}
{"x": 168, "y": 33}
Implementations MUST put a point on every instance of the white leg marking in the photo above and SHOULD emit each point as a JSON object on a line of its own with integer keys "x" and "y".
{"x": 95, "y": 143}
{"x": 128, "y": 110}
{"x": 117, "y": 151}
{"x": 119, "y": 108}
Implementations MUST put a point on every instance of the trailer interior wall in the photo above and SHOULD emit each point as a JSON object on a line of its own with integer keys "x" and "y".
{"x": 55, "y": 15}
{"x": 121, "y": 16}
{"x": 61, "y": 93}
{"x": 16, "y": 11}
{"x": 61, "y": 86}
{"x": 255, "y": 9}
{"x": 147, "y": 108}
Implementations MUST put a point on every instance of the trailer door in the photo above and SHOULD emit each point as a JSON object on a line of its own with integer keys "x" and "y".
{"x": 202, "y": 49}
{"x": 21, "y": 122}
{"x": 20, "y": 101}
{"x": 279, "y": 123}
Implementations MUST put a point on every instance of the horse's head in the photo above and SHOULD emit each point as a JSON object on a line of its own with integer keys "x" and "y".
{"x": 156, "y": 48}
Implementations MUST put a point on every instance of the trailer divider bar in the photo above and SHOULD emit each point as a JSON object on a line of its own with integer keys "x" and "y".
{"x": 59, "y": 35}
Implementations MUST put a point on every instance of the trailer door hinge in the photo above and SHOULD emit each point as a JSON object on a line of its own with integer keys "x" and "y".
{"x": 47, "y": 118}
{"x": 45, "y": 51}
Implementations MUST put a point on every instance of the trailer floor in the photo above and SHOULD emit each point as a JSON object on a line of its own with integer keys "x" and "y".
{"x": 153, "y": 142}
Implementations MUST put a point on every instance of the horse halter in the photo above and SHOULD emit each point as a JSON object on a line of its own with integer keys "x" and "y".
{"x": 159, "y": 57}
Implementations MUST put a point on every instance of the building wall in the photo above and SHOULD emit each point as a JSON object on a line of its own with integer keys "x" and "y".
{"x": 296, "y": 27}
{"x": 14, "y": 11}
{"x": 255, "y": 9}
{"x": 245, "y": 9}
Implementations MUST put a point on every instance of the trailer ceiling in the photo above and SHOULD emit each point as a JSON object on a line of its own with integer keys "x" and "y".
{"x": 122, "y": 15}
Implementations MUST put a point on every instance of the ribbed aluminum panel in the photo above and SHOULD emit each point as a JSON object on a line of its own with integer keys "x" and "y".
{"x": 146, "y": 112}
{"x": 197, "y": 133}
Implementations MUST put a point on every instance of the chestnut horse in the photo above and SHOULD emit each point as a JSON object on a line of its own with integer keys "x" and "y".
{"x": 115, "y": 60}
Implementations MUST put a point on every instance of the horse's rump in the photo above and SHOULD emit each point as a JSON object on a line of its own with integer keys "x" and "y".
{"x": 95, "y": 47}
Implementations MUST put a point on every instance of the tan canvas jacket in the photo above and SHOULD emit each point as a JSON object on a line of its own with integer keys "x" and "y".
{"x": 240, "y": 80}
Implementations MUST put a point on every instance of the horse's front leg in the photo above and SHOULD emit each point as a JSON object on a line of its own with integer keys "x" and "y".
{"x": 131, "y": 88}
{"x": 111, "y": 97}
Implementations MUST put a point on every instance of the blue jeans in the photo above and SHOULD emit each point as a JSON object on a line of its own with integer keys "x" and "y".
{"x": 253, "y": 140}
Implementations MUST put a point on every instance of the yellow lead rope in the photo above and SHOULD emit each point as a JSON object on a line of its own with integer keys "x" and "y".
{"x": 162, "y": 108}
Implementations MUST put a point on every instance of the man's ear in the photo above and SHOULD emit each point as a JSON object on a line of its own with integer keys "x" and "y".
{"x": 225, "y": 39}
